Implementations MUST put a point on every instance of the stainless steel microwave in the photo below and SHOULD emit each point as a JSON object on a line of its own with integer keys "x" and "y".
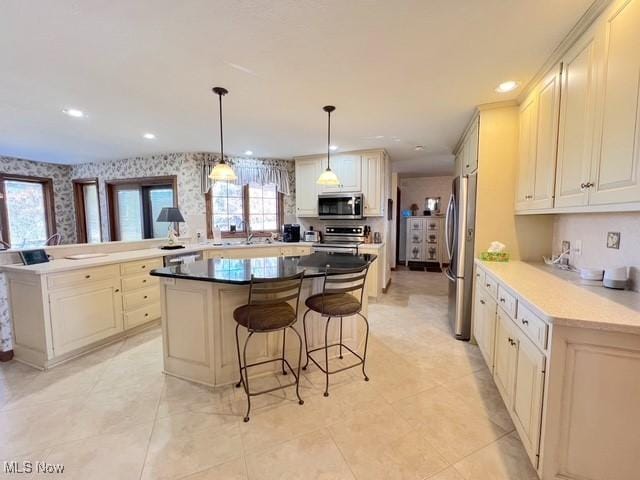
{"x": 336, "y": 206}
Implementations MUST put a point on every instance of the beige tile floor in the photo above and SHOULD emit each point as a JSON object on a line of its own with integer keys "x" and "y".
{"x": 430, "y": 411}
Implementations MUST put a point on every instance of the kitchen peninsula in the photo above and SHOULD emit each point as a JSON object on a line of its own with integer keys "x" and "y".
{"x": 198, "y": 300}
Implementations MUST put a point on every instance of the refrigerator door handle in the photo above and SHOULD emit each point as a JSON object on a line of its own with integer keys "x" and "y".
{"x": 447, "y": 221}
{"x": 447, "y": 272}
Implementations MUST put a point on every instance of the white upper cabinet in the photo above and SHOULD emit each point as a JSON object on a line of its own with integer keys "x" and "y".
{"x": 575, "y": 133}
{"x": 372, "y": 183}
{"x": 538, "y": 143}
{"x": 348, "y": 169}
{"x": 615, "y": 176}
{"x": 307, "y": 173}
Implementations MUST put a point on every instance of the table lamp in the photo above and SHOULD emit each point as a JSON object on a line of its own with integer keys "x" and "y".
{"x": 171, "y": 215}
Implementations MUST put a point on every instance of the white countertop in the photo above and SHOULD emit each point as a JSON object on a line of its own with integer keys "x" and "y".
{"x": 64, "y": 264}
{"x": 559, "y": 297}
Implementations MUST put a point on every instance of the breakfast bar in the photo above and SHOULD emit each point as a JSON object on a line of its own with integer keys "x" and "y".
{"x": 198, "y": 300}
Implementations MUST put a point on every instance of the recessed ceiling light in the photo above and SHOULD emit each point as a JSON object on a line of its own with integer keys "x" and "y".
{"x": 149, "y": 136}
{"x": 73, "y": 112}
{"x": 379, "y": 136}
{"x": 419, "y": 148}
{"x": 507, "y": 86}
{"x": 333, "y": 148}
{"x": 396, "y": 139}
{"x": 248, "y": 152}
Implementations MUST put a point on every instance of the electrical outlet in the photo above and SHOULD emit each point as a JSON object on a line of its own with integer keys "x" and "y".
{"x": 566, "y": 247}
{"x": 613, "y": 240}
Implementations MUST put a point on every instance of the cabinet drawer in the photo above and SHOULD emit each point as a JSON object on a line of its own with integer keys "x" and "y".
{"x": 414, "y": 253}
{"x": 81, "y": 277}
{"x": 533, "y": 326}
{"x": 432, "y": 253}
{"x": 507, "y": 301}
{"x": 140, "y": 297}
{"x": 416, "y": 237}
{"x": 416, "y": 224}
{"x": 142, "y": 315}
{"x": 491, "y": 285}
{"x": 432, "y": 237}
{"x": 131, "y": 268}
{"x": 138, "y": 281}
{"x": 432, "y": 224}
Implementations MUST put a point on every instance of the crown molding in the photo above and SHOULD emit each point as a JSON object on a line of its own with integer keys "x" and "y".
{"x": 590, "y": 16}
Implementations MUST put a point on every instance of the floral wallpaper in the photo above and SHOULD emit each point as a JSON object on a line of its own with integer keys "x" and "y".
{"x": 186, "y": 166}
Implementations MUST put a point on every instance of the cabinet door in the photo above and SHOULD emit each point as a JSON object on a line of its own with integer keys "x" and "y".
{"x": 505, "y": 357}
{"x": 83, "y": 315}
{"x": 527, "y": 397}
{"x": 575, "y": 133}
{"x": 348, "y": 169}
{"x": 526, "y": 153}
{"x": 544, "y": 167}
{"x": 616, "y": 162}
{"x": 307, "y": 173}
{"x": 485, "y": 319}
{"x": 372, "y": 183}
{"x": 471, "y": 148}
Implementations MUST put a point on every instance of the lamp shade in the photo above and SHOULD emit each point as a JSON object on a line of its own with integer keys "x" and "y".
{"x": 170, "y": 214}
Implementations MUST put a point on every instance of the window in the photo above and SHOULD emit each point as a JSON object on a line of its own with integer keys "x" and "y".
{"x": 87, "y": 211}
{"x": 134, "y": 205}
{"x": 27, "y": 216}
{"x": 232, "y": 208}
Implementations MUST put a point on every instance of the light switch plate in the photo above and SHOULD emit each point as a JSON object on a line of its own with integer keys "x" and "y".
{"x": 613, "y": 240}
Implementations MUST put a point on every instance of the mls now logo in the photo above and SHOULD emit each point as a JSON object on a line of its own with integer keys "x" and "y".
{"x": 32, "y": 467}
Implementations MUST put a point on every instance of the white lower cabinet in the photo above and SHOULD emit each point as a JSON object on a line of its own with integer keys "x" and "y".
{"x": 484, "y": 325}
{"x": 527, "y": 395}
{"x": 83, "y": 315}
{"x": 506, "y": 341}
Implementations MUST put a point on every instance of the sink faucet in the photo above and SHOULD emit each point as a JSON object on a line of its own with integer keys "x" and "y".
{"x": 248, "y": 227}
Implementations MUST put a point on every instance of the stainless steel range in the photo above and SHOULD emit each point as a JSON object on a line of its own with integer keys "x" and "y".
{"x": 341, "y": 239}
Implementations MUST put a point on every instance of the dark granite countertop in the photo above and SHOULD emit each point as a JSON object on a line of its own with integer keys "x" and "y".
{"x": 239, "y": 270}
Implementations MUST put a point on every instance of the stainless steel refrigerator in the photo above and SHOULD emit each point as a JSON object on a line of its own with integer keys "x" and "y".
{"x": 459, "y": 239}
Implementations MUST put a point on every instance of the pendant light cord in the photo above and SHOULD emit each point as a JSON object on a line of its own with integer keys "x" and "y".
{"x": 329, "y": 141}
{"x": 221, "y": 137}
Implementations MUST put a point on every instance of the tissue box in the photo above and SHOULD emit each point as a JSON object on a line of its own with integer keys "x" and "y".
{"x": 494, "y": 256}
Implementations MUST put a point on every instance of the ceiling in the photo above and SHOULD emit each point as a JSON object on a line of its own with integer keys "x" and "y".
{"x": 401, "y": 73}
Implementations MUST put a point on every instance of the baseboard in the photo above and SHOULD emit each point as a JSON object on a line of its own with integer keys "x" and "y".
{"x": 386, "y": 287}
{"x": 6, "y": 356}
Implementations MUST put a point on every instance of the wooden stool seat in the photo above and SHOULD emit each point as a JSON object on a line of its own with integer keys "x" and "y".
{"x": 334, "y": 304}
{"x": 264, "y": 318}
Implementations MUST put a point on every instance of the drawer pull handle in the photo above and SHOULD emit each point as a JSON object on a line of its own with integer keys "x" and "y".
{"x": 525, "y": 322}
{"x": 117, "y": 290}
{"x": 482, "y": 302}
{"x": 146, "y": 314}
{"x": 511, "y": 342}
{"x": 144, "y": 281}
{"x": 87, "y": 276}
{"x": 146, "y": 296}
{"x": 488, "y": 285}
{"x": 502, "y": 299}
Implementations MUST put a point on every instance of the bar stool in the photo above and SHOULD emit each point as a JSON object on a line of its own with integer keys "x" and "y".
{"x": 337, "y": 301}
{"x": 268, "y": 310}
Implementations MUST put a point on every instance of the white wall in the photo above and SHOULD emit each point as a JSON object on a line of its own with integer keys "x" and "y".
{"x": 592, "y": 229}
{"x": 415, "y": 189}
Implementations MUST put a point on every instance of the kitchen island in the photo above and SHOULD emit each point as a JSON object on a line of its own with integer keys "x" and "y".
{"x": 198, "y": 300}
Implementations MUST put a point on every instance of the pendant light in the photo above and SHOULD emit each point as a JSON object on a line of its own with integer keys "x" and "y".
{"x": 222, "y": 172}
{"x": 328, "y": 177}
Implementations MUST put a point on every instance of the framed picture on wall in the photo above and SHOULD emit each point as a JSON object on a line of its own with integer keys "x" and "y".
{"x": 432, "y": 204}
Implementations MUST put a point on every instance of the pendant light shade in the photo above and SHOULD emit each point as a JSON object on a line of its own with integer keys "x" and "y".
{"x": 222, "y": 172}
{"x": 328, "y": 177}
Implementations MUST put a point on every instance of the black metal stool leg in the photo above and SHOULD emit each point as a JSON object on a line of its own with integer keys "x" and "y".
{"x": 300, "y": 401}
{"x": 341, "y": 357}
{"x": 366, "y": 341}
{"x": 239, "y": 359}
{"x": 246, "y": 382}
{"x": 326, "y": 357}
{"x": 284, "y": 342}
{"x": 304, "y": 329}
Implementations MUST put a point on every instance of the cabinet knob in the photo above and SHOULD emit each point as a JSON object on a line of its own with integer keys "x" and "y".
{"x": 146, "y": 296}
{"x": 117, "y": 290}
{"x": 87, "y": 276}
{"x": 502, "y": 300}
{"x": 488, "y": 285}
{"x": 482, "y": 302}
{"x": 525, "y": 322}
{"x": 146, "y": 314}
{"x": 144, "y": 266}
{"x": 144, "y": 281}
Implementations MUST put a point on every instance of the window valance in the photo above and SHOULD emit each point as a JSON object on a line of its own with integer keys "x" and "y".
{"x": 258, "y": 174}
